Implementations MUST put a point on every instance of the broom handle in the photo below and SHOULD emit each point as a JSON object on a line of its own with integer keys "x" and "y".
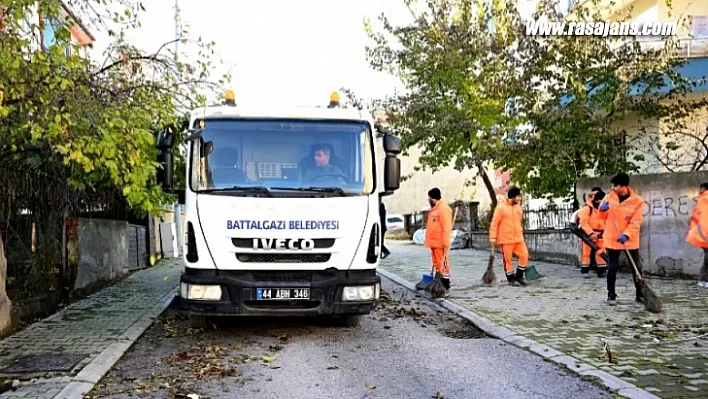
{"x": 626, "y": 251}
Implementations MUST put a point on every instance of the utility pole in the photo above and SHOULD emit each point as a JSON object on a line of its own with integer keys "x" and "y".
{"x": 176, "y": 208}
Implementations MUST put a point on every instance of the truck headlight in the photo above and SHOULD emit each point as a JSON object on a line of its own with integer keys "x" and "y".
{"x": 200, "y": 292}
{"x": 361, "y": 293}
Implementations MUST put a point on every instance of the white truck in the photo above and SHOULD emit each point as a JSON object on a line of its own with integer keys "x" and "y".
{"x": 282, "y": 211}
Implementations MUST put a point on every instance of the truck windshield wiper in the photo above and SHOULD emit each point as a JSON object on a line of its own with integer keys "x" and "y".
{"x": 336, "y": 190}
{"x": 251, "y": 189}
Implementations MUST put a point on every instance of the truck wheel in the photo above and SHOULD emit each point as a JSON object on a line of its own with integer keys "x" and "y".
{"x": 350, "y": 320}
{"x": 199, "y": 321}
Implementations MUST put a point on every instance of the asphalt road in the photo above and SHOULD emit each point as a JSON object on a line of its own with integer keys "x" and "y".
{"x": 399, "y": 351}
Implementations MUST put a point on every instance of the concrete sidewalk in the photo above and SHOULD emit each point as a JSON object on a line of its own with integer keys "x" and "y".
{"x": 664, "y": 354}
{"x": 64, "y": 355}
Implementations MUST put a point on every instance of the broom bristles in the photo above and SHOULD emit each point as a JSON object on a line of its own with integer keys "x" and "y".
{"x": 652, "y": 302}
{"x": 489, "y": 275}
{"x": 436, "y": 288}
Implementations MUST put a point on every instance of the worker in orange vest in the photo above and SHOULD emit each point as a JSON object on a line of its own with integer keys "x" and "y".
{"x": 590, "y": 222}
{"x": 507, "y": 231}
{"x": 438, "y": 233}
{"x": 698, "y": 232}
{"x": 622, "y": 210}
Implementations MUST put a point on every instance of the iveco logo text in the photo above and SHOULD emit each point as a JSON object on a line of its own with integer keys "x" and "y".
{"x": 304, "y": 244}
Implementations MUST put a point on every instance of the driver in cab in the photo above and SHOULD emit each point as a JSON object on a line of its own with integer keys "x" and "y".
{"x": 322, "y": 166}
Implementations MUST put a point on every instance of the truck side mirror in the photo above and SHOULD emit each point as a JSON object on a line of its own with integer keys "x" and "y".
{"x": 392, "y": 165}
{"x": 165, "y": 177}
{"x": 391, "y": 144}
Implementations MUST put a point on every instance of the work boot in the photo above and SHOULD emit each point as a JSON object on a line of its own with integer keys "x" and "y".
{"x": 612, "y": 301}
{"x": 512, "y": 280}
{"x": 601, "y": 272}
{"x": 585, "y": 271}
{"x": 446, "y": 283}
{"x": 532, "y": 274}
{"x": 520, "y": 277}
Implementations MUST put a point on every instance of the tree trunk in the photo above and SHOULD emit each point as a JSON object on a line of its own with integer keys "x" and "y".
{"x": 488, "y": 184}
{"x": 5, "y": 304}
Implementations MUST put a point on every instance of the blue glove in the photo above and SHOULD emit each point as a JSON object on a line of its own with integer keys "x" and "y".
{"x": 623, "y": 238}
{"x": 605, "y": 206}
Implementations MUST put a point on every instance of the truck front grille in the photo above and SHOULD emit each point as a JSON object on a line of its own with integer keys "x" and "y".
{"x": 282, "y": 258}
{"x": 320, "y": 243}
{"x": 283, "y": 276}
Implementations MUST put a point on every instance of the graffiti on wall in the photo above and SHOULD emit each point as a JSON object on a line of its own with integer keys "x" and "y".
{"x": 665, "y": 205}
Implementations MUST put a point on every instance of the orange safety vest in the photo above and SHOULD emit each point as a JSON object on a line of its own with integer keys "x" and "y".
{"x": 698, "y": 230}
{"x": 623, "y": 218}
{"x": 506, "y": 226}
{"x": 438, "y": 226}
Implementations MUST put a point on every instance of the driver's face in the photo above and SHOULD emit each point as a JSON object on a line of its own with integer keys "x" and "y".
{"x": 321, "y": 158}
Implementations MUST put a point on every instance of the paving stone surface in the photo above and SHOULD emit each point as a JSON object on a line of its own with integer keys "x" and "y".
{"x": 87, "y": 327}
{"x": 659, "y": 353}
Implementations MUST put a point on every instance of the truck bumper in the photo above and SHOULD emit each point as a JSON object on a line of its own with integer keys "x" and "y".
{"x": 239, "y": 292}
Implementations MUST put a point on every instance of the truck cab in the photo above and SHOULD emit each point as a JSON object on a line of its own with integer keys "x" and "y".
{"x": 281, "y": 211}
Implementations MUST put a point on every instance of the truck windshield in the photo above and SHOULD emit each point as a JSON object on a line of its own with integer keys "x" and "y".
{"x": 283, "y": 155}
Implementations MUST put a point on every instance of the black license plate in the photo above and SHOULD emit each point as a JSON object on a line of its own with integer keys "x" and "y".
{"x": 282, "y": 293}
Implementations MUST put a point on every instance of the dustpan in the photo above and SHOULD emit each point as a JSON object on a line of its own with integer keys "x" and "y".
{"x": 427, "y": 279}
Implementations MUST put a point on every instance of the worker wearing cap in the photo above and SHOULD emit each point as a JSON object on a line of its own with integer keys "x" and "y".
{"x": 438, "y": 233}
{"x": 507, "y": 231}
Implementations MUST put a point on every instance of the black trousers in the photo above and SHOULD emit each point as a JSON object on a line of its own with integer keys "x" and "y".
{"x": 614, "y": 256}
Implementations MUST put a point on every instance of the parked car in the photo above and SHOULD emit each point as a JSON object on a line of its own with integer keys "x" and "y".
{"x": 394, "y": 222}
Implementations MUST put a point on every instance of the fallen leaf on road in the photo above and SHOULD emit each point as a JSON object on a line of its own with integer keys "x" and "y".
{"x": 267, "y": 359}
{"x": 370, "y": 386}
{"x": 166, "y": 278}
{"x": 438, "y": 395}
{"x": 656, "y": 360}
{"x": 193, "y": 396}
{"x": 333, "y": 368}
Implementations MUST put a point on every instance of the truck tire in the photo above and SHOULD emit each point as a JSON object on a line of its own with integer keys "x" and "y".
{"x": 350, "y": 320}
{"x": 199, "y": 321}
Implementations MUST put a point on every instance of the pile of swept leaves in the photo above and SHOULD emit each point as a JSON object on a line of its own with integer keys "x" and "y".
{"x": 177, "y": 376}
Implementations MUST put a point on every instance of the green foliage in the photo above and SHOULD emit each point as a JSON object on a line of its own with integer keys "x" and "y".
{"x": 98, "y": 119}
{"x": 546, "y": 108}
{"x": 458, "y": 75}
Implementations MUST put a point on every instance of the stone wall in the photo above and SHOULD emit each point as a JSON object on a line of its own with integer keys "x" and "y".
{"x": 98, "y": 250}
{"x": 669, "y": 200}
{"x": 556, "y": 246}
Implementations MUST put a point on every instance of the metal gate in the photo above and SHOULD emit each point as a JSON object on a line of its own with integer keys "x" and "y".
{"x": 137, "y": 247}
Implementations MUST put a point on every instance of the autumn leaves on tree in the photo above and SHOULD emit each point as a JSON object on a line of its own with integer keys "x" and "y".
{"x": 96, "y": 118}
{"x": 480, "y": 93}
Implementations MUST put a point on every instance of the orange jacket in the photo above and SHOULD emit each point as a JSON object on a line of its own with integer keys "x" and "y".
{"x": 698, "y": 230}
{"x": 438, "y": 227}
{"x": 625, "y": 218}
{"x": 701, "y": 206}
{"x": 589, "y": 219}
{"x": 506, "y": 227}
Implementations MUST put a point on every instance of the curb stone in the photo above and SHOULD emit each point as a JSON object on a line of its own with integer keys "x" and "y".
{"x": 612, "y": 383}
{"x": 92, "y": 373}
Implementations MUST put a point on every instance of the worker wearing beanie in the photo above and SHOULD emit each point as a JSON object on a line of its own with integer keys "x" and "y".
{"x": 438, "y": 233}
{"x": 507, "y": 231}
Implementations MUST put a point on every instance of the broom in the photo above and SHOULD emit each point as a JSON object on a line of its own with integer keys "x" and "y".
{"x": 652, "y": 302}
{"x": 436, "y": 287}
{"x": 489, "y": 276}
